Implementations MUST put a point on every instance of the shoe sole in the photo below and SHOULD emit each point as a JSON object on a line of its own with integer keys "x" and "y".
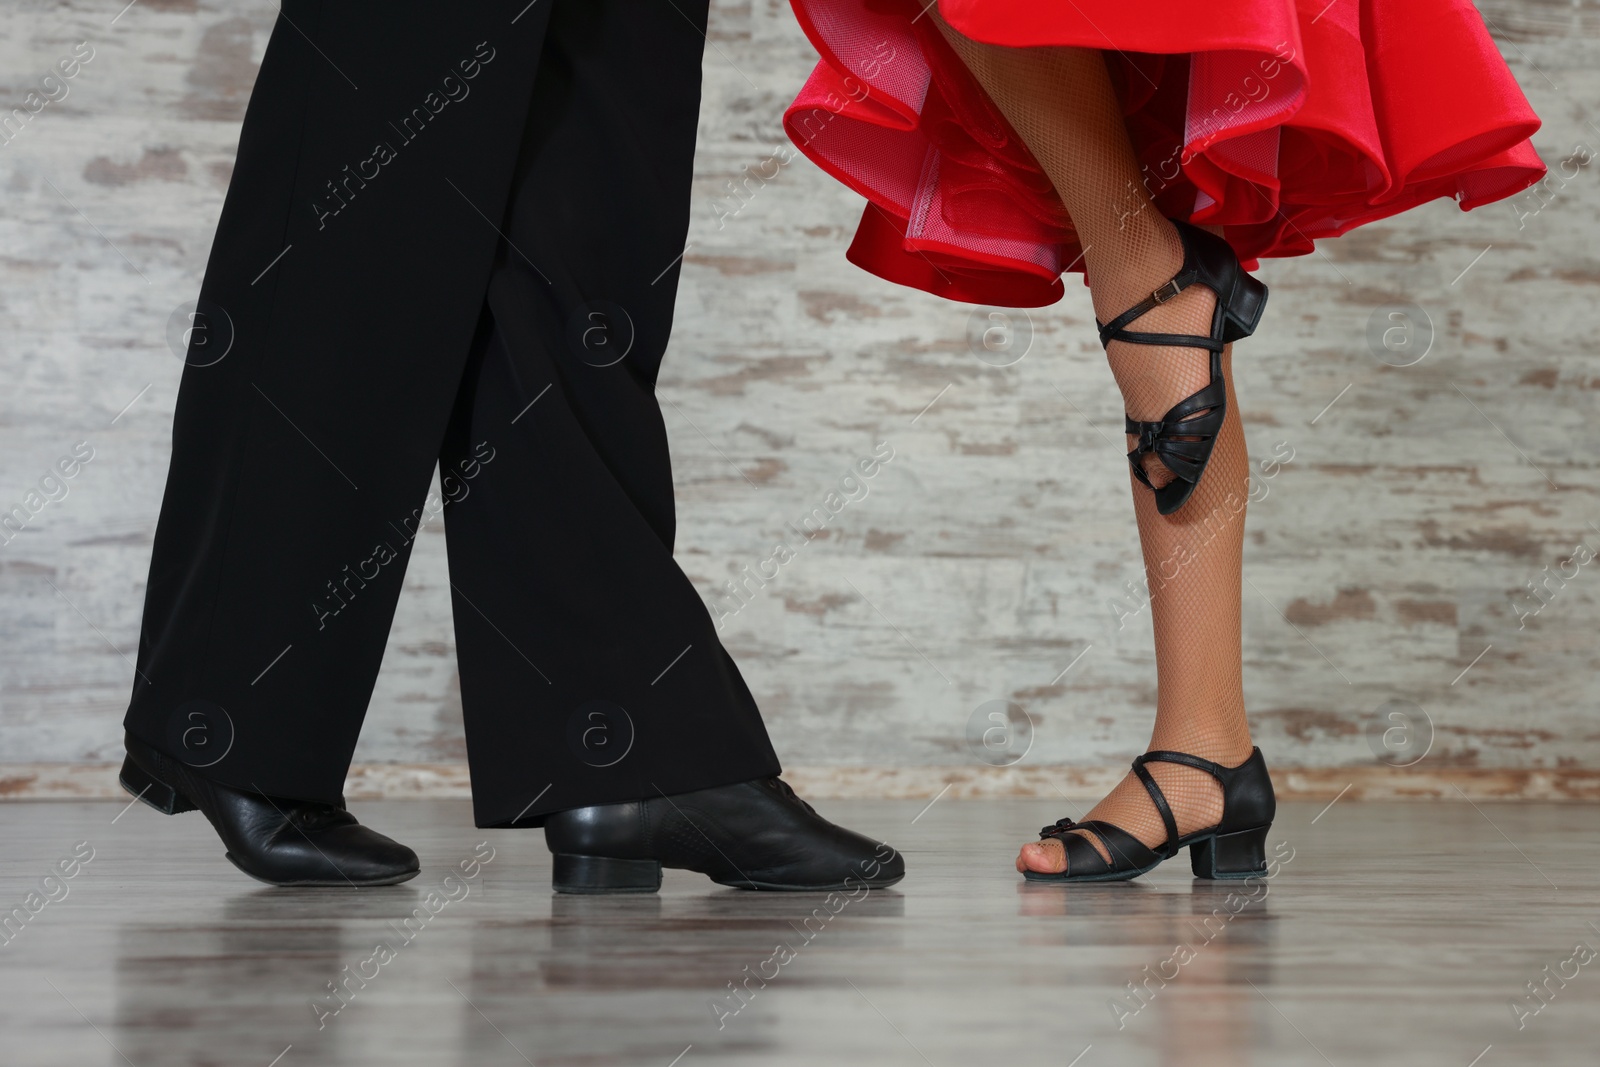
{"x": 779, "y": 887}
{"x": 1110, "y": 876}
{"x": 606, "y": 875}
{"x": 1218, "y": 857}
{"x": 319, "y": 883}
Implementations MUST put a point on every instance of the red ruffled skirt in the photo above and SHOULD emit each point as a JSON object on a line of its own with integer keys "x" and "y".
{"x": 1280, "y": 122}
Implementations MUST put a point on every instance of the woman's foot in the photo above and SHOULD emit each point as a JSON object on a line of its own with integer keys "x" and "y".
{"x": 1194, "y": 796}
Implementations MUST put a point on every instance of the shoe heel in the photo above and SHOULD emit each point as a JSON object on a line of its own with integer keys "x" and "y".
{"x": 151, "y": 790}
{"x": 1245, "y": 305}
{"x": 603, "y": 874}
{"x": 1240, "y": 855}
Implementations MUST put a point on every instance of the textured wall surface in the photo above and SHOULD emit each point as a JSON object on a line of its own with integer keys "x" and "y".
{"x": 989, "y": 560}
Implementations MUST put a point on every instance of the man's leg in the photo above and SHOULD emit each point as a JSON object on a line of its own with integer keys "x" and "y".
{"x": 598, "y": 699}
{"x": 339, "y": 306}
{"x": 591, "y": 670}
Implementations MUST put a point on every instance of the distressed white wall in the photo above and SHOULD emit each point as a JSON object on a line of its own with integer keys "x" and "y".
{"x": 1382, "y": 563}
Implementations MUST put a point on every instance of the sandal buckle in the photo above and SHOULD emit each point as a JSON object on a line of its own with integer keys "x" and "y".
{"x": 1167, "y": 292}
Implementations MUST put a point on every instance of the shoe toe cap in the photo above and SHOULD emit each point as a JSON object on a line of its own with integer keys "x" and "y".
{"x": 367, "y": 857}
{"x": 890, "y": 869}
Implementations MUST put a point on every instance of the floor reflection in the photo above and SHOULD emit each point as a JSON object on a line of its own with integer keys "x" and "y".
{"x": 1207, "y": 947}
{"x": 166, "y": 961}
{"x": 225, "y": 983}
{"x": 639, "y": 978}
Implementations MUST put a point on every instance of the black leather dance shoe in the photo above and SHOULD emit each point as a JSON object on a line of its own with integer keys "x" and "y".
{"x": 753, "y": 835}
{"x": 1184, "y": 437}
{"x": 272, "y": 839}
{"x": 1234, "y": 848}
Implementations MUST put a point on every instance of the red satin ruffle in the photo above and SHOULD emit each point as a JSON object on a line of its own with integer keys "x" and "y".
{"x": 1280, "y": 122}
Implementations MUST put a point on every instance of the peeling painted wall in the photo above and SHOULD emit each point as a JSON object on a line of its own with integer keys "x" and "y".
{"x": 1386, "y": 562}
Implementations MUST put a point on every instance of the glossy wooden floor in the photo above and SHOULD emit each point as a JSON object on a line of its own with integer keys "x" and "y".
{"x": 1391, "y": 934}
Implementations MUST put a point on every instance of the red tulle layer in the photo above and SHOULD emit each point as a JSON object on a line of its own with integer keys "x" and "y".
{"x": 1280, "y": 122}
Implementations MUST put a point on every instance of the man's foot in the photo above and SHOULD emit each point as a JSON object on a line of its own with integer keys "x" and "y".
{"x": 753, "y": 835}
{"x": 272, "y": 839}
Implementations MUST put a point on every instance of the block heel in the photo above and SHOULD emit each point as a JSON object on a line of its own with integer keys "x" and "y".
{"x": 1245, "y": 306}
{"x": 603, "y": 874}
{"x": 150, "y": 789}
{"x": 1237, "y": 855}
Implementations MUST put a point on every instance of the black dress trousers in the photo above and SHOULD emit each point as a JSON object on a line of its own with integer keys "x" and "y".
{"x": 453, "y": 239}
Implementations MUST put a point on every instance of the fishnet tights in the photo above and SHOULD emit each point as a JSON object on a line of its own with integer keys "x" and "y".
{"x": 1061, "y": 102}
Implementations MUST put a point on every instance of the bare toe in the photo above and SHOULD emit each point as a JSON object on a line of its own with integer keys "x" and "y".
{"x": 1045, "y": 857}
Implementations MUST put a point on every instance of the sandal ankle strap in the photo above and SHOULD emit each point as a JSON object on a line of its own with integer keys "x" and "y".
{"x": 1159, "y": 755}
{"x": 1186, "y": 276}
{"x": 1170, "y": 340}
{"x": 1159, "y": 799}
{"x": 1169, "y": 848}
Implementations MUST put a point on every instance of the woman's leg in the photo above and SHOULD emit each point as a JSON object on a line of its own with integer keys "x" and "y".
{"x": 1060, "y": 101}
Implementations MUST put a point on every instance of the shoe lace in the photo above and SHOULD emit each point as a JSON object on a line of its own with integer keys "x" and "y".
{"x": 784, "y": 790}
{"x": 315, "y": 816}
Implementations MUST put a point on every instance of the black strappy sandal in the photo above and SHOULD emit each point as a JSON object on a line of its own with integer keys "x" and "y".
{"x": 1182, "y": 440}
{"x": 1234, "y": 848}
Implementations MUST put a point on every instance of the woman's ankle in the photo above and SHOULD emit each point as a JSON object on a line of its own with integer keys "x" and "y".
{"x": 1142, "y": 258}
